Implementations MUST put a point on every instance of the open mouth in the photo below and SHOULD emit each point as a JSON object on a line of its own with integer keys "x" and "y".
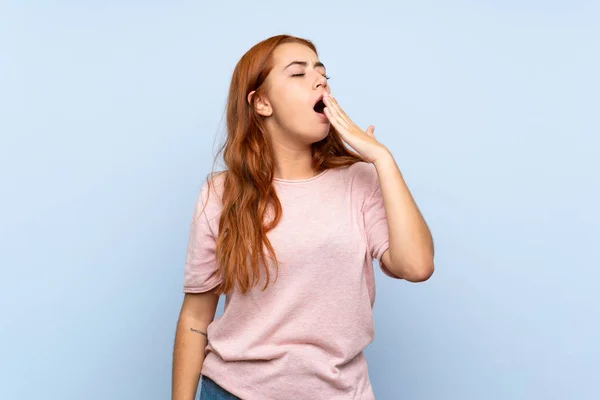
{"x": 319, "y": 106}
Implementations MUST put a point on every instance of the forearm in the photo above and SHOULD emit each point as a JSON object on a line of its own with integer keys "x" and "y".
{"x": 188, "y": 357}
{"x": 411, "y": 245}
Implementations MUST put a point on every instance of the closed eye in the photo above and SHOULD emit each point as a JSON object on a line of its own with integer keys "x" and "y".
{"x": 326, "y": 76}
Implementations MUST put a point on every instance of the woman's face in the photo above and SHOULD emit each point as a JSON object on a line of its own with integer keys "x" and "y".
{"x": 294, "y": 86}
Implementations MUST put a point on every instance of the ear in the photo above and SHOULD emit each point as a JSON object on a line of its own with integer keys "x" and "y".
{"x": 262, "y": 105}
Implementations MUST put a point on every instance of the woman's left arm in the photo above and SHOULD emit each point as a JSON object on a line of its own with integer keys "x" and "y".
{"x": 410, "y": 252}
{"x": 410, "y": 255}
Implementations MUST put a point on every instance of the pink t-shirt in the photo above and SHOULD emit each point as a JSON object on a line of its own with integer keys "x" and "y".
{"x": 304, "y": 336}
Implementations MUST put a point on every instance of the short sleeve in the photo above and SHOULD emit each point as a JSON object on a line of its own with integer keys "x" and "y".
{"x": 376, "y": 227}
{"x": 201, "y": 272}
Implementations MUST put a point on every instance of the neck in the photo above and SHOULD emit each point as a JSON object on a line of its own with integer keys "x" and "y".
{"x": 293, "y": 162}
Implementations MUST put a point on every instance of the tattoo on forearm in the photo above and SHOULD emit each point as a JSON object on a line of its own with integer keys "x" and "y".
{"x": 198, "y": 331}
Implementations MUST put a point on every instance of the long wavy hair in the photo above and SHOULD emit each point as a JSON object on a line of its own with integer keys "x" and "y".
{"x": 247, "y": 186}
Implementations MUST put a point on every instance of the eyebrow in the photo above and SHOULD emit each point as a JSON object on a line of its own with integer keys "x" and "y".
{"x": 304, "y": 64}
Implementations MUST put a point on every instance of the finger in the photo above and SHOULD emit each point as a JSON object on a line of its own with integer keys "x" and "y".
{"x": 339, "y": 109}
{"x": 336, "y": 109}
{"x": 338, "y": 123}
{"x": 335, "y": 113}
{"x": 371, "y": 131}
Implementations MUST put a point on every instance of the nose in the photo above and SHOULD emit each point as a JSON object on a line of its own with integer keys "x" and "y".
{"x": 321, "y": 82}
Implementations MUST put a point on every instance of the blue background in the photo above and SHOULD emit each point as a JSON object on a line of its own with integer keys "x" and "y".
{"x": 110, "y": 112}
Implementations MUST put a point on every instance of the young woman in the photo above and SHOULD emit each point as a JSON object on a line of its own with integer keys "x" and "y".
{"x": 288, "y": 233}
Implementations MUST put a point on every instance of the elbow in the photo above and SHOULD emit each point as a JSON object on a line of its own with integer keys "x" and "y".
{"x": 421, "y": 273}
{"x": 417, "y": 271}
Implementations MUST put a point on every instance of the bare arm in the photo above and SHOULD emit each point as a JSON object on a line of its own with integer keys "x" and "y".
{"x": 197, "y": 312}
{"x": 410, "y": 255}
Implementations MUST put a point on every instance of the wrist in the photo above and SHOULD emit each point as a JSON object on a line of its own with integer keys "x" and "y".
{"x": 384, "y": 159}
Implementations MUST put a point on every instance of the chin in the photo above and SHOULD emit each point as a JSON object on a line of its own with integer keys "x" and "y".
{"x": 315, "y": 138}
{"x": 313, "y": 134}
{"x": 322, "y": 132}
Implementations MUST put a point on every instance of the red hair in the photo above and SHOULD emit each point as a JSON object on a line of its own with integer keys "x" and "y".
{"x": 247, "y": 188}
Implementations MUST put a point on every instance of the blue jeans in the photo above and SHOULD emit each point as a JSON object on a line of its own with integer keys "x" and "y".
{"x": 210, "y": 390}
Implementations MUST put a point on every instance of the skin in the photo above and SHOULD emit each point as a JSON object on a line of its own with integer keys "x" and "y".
{"x": 287, "y": 106}
{"x": 411, "y": 250}
{"x": 197, "y": 312}
{"x": 291, "y": 93}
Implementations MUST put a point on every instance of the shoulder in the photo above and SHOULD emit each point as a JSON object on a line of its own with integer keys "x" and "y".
{"x": 359, "y": 170}
{"x": 363, "y": 176}
{"x": 360, "y": 178}
{"x": 363, "y": 171}
{"x": 210, "y": 197}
